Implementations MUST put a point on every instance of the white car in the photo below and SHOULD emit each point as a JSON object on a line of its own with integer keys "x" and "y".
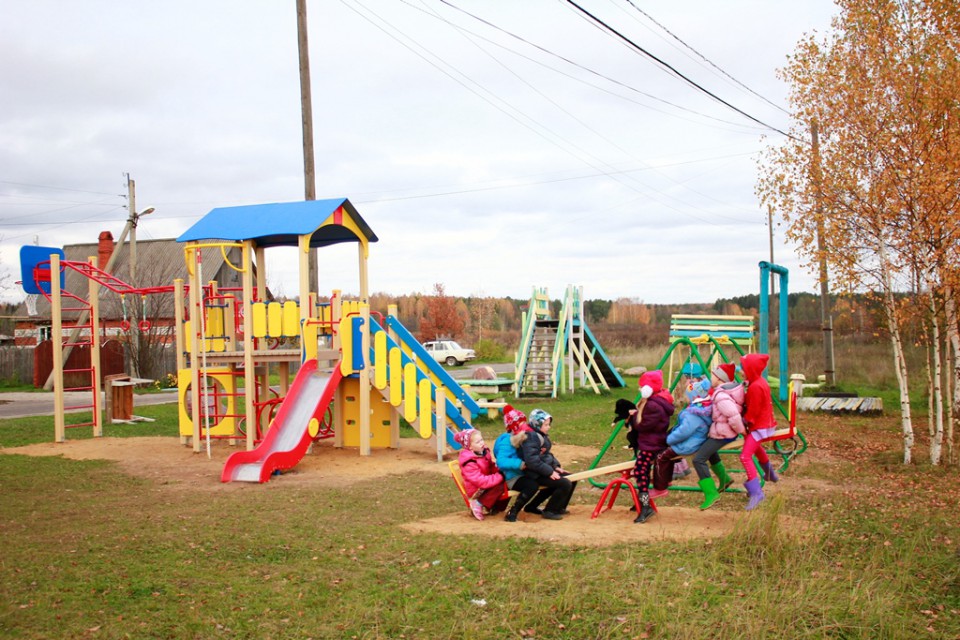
{"x": 449, "y": 352}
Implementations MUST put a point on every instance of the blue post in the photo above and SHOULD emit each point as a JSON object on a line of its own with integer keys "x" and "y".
{"x": 784, "y": 274}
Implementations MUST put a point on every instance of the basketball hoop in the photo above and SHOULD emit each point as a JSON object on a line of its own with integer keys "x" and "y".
{"x": 31, "y": 303}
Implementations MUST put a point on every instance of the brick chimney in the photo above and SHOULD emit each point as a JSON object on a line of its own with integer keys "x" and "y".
{"x": 105, "y": 248}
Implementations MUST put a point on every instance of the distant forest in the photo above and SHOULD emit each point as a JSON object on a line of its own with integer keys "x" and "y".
{"x": 623, "y": 322}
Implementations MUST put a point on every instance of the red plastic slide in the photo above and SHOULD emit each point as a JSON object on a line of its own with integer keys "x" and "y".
{"x": 288, "y": 438}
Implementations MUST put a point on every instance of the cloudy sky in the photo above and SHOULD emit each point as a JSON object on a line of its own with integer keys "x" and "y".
{"x": 492, "y": 145}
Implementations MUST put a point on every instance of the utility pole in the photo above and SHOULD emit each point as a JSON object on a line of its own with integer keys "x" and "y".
{"x": 132, "y": 220}
{"x": 306, "y": 116}
{"x": 826, "y": 317}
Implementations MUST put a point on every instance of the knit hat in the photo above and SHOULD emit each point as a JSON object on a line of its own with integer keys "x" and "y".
{"x": 725, "y": 371}
{"x": 650, "y": 382}
{"x": 698, "y": 389}
{"x": 538, "y": 417}
{"x": 513, "y": 418}
{"x": 464, "y": 437}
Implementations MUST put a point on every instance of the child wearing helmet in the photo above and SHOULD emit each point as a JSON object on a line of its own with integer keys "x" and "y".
{"x": 543, "y": 467}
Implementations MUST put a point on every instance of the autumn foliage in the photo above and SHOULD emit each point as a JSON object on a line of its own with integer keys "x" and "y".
{"x": 868, "y": 183}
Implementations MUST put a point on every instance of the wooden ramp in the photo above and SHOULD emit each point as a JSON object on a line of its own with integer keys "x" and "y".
{"x": 841, "y": 405}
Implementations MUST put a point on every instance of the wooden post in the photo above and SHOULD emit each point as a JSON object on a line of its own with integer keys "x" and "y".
{"x": 56, "y": 339}
{"x": 440, "y": 405}
{"x": 178, "y": 320}
{"x": 196, "y": 309}
{"x": 249, "y": 374}
{"x": 94, "y": 297}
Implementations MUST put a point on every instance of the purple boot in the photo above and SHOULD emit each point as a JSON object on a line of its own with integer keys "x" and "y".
{"x": 754, "y": 492}
{"x": 769, "y": 474}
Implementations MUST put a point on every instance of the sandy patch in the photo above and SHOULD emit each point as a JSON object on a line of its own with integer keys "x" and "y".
{"x": 177, "y": 468}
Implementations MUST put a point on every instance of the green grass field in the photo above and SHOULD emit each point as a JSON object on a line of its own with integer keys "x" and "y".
{"x": 854, "y": 545}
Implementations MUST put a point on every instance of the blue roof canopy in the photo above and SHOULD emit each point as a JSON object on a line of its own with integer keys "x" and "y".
{"x": 280, "y": 224}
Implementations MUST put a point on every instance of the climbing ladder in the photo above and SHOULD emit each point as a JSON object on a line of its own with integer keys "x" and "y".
{"x": 538, "y": 376}
{"x": 558, "y": 353}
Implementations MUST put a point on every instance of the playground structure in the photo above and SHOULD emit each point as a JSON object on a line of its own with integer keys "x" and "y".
{"x": 702, "y": 342}
{"x": 557, "y": 354}
{"x": 356, "y": 369}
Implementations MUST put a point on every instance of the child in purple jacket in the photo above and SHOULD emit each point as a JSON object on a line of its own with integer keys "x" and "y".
{"x": 649, "y": 423}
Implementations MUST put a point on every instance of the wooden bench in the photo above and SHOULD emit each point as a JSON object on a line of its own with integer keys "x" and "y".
{"x": 724, "y": 329}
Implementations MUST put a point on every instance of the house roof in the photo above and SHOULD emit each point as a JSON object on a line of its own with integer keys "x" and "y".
{"x": 278, "y": 224}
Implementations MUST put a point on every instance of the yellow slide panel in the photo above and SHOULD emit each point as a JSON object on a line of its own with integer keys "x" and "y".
{"x": 259, "y": 320}
{"x": 346, "y": 347}
{"x": 309, "y": 340}
{"x": 396, "y": 377}
{"x": 214, "y": 327}
{"x": 426, "y": 419}
{"x": 274, "y": 320}
{"x": 290, "y": 326}
{"x": 221, "y": 377}
{"x": 410, "y": 392}
{"x": 380, "y": 360}
{"x": 380, "y": 416}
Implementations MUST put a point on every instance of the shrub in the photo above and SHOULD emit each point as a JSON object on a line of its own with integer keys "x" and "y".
{"x": 490, "y": 350}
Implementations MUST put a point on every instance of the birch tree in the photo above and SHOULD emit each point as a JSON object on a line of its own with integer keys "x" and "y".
{"x": 882, "y": 193}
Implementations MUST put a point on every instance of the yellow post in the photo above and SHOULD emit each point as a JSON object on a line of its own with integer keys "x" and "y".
{"x": 365, "y": 380}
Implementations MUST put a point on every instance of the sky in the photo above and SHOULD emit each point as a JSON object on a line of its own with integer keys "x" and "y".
{"x": 493, "y": 146}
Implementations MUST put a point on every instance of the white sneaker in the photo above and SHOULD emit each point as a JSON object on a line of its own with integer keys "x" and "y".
{"x": 477, "y": 509}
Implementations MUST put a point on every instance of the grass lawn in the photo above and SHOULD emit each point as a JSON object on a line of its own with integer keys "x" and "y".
{"x": 851, "y": 544}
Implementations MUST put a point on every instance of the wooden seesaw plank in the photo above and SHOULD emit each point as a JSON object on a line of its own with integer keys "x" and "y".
{"x": 599, "y": 471}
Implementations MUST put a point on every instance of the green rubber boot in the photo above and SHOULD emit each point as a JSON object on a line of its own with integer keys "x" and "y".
{"x": 722, "y": 475}
{"x": 710, "y": 493}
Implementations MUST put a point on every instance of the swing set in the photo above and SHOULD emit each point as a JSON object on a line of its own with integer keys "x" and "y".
{"x": 700, "y": 341}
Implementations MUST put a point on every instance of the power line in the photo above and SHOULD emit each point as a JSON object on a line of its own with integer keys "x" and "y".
{"x": 704, "y": 58}
{"x": 672, "y": 70}
{"x": 43, "y": 186}
{"x": 574, "y": 64}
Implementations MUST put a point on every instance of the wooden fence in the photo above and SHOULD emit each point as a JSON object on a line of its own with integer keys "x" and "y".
{"x": 32, "y": 365}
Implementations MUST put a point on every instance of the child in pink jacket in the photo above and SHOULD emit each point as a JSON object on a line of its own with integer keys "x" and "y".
{"x": 483, "y": 481}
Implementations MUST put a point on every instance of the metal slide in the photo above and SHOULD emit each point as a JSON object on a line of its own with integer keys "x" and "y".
{"x": 288, "y": 438}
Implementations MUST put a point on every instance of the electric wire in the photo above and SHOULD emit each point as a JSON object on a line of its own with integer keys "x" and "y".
{"x": 670, "y": 69}
{"x": 704, "y": 58}
{"x": 573, "y": 63}
{"x": 513, "y": 113}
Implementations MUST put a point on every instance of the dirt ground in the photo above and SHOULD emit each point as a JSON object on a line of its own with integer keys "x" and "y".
{"x": 177, "y": 468}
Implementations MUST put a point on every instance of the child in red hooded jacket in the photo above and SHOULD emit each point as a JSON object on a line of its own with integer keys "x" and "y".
{"x": 760, "y": 424}
{"x": 649, "y": 423}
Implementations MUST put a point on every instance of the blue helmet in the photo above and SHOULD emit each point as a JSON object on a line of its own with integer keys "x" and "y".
{"x": 538, "y": 417}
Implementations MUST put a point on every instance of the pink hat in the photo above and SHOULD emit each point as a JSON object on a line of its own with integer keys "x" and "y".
{"x": 650, "y": 382}
{"x": 464, "y": 437}
{"x": 725, "y": 371}
{"x": 513, "y": 418}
